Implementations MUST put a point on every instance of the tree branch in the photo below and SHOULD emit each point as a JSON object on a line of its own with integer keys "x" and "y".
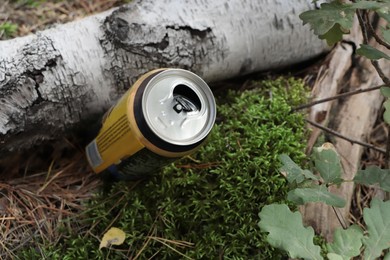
{"x": 375, "y": 63}
{"x": 333, "y": 132}
{"x": 374, "y": 34}
{"x": 346, "y": 94}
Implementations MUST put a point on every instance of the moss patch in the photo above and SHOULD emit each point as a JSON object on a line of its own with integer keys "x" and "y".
{"x": 206, "y": 206}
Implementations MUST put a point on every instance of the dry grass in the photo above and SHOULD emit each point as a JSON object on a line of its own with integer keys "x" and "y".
{"x": 36, "y": 207}
{"x": 31, "y": 18}
{"x": 42, "y": 189}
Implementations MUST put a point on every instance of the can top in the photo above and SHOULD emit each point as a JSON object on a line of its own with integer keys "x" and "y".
{"x": 179, "y": 107}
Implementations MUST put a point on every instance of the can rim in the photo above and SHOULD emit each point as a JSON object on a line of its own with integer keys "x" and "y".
{"x": 200, "y": 87}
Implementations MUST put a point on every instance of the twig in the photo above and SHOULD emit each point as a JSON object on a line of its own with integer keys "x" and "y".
{"x": 374, "y": 34}
{"x": 385, "y": 79}
{"x": 374, "y": 63}
{"x": 340, "y": 218}
{"x": 351, "y": 93}
{"x": 333, "y": 132}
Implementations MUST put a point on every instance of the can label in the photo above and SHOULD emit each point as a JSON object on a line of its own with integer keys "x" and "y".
{"x": 166, "y": 114}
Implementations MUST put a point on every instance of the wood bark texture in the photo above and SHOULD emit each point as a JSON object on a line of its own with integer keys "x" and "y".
{"x": 353, "y": 117}
{"x": 57, "y": 79}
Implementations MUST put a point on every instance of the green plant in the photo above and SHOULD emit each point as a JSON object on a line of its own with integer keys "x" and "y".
{"x": 8, "y": 29}
{"x": 204, "y": 206}
{"x": 32, "y": 3}
{"x": 335, "y": 19}
{"x": 285, "y": 226}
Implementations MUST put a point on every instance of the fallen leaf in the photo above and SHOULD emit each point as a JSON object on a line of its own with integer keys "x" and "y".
{"x": 114, "y": 236}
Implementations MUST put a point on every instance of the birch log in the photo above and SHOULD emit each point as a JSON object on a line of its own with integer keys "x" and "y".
{"x": 55, "y": 80}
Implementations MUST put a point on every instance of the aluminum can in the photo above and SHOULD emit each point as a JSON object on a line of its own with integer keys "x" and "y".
{"x": 165, "y": 115}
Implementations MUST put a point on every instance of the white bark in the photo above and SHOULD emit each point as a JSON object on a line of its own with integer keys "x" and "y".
{"x": 60, "y": 77}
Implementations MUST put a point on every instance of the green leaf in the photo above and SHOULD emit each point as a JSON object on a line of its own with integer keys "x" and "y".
{"x": 384, "y": 13}
{"x": 287, "y": 232}
{"x": 374, "y": 175}
{"x": 323, "y": 19}
{"x": 328, "y": 164}
{"x": 333, "y": 36}
{"x": 377, "y": 219}
{"x": 386, "y": 35}
{"x": 387, "y": 256}
{"x": 369, "y": 5}
{"x": 347, "y": 242}
{"x": 333, "y": 256}
{"x": 371, "y": 53}
{"x": 385, "y": 91}
{"x": 293, "y": 172}
{"x": 386, "y": 114}
{"x": 301, "y": 196}
{"x": 381, "y": 7}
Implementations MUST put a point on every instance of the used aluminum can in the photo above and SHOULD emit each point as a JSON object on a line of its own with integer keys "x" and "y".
{"x": 166, "y": 114}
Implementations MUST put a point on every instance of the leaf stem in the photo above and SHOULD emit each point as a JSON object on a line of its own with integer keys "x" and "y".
{"x": 335, "y": 133}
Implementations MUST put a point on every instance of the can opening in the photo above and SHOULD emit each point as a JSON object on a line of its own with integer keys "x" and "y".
{"x": 186, "y": 99}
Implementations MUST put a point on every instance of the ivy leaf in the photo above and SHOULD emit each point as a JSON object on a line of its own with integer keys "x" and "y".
{"x": 386, "y": 114}
{"x": 386, "y": 35}
{"x": 374, "y": 175}
{"x": 381, "y": 7}
{"x": 333, "y": 256}
{"x": 323, "y": 19}
{"x": 346, "y": 242}
{"x": 114, "y": 236}
{"x": 301, "y": 196}
{"x": 328, "y": 164}
{"x": 385, "y": 91}
{"x": 371, "y": 53}
{"x": 287, "y": 232}
{"x": 293, "y": 172}
{"x": 369, "y": 5}
{"x": 377, "y": 219}
{"x": 333, "y": 36}
{"x": 384, "y": 13}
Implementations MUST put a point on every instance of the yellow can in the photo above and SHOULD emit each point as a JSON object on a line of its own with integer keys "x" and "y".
{"x": 166, "y": 114}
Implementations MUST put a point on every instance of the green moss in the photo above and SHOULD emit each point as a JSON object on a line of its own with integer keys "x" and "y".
{"x": 213, "y": 204}
{"x": 8, "y": 29}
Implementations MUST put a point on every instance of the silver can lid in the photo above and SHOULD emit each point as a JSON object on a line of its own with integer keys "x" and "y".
{"x": 179, "y": 107}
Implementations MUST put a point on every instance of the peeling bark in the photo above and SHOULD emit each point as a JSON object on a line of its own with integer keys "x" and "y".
{"x": 59, "y": 78}
{"x": 353, "y": 117}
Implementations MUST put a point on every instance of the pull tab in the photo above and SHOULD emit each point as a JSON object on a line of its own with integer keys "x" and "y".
{"x": 183, "y": 104}
{"x": 185, "y": 99}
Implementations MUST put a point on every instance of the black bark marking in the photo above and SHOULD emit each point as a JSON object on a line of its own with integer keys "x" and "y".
{"x": 246, "y": 66}
{"x": 37, "y": 76}
{"x": 278, "y": 23}
{"x": 137, "y": 47}
{"x": 120, "y": 28}
{"x": 28, "y": 112}
{"x": 202, "y": 34}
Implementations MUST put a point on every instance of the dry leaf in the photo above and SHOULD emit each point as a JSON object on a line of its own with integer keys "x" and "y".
{"x": 114, "y": 236}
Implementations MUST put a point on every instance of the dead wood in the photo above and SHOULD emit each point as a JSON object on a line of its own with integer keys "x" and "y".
{"x": 353, "y": 117}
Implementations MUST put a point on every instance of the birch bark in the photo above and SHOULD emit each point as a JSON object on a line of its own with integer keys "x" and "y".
{"x": 59, "y": 78}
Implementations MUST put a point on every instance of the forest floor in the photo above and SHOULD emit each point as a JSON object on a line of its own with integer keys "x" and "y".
{"x": 55, "y": 178}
